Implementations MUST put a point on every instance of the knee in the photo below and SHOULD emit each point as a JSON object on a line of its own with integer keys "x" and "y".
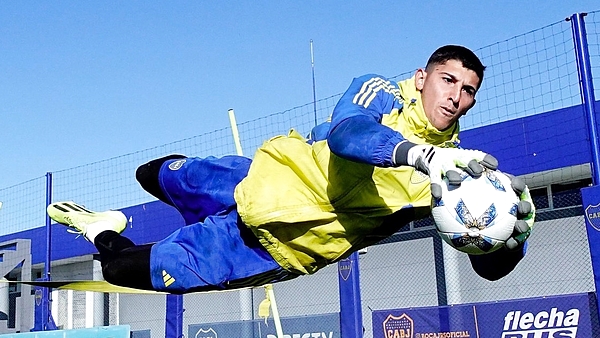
{"x": 149, "y": 171}
{"x": 144, "y": 174}
{"x": 147, "y": 175}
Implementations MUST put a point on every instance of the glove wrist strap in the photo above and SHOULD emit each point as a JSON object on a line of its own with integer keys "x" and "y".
{"x": 401, "y": 151}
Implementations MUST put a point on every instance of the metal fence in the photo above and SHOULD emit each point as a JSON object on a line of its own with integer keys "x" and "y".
{"x": 529, "y": 74}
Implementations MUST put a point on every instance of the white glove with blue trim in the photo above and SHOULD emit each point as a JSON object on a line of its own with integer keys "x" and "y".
{"x": 525, "y": 214}
{"x": 440, "y": 162}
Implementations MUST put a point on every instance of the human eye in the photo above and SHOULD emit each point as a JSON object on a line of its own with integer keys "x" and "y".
{"x": 469, "y": 91}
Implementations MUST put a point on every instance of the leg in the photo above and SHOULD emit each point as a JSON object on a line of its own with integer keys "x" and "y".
{"x": 148, "y": 176}
{"x": 219, "y": 253}
{"x": 124, "y": 263}
{"x": 197, "y": 187}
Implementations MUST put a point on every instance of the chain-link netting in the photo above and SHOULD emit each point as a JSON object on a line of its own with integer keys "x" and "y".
{"x": 530, "y": 74}
{"x": 592, "y": 24}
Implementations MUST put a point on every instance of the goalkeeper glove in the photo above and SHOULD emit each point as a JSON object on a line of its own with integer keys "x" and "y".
{"x": 443, "y": 162}
{"x": 525, "y": 214}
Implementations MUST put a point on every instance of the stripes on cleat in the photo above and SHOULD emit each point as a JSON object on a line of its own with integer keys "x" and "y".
{"x": 64, "y": 207}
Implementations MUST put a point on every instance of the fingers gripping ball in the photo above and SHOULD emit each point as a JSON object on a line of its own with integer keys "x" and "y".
{"x": 479, "y": 215}
{"x": 525, "y": 214}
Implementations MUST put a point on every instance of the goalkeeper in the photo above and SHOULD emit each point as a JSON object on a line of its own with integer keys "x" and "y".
{"x": 300, "y": 204}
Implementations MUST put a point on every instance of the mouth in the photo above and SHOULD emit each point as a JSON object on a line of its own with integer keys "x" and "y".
{"x": 448, "y": 112}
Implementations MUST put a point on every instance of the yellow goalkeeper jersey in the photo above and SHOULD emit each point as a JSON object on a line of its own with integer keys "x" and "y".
{"x": 310, "y": 207}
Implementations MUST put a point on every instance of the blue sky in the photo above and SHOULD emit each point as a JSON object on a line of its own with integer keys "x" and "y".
{"x": 83, "y": 81}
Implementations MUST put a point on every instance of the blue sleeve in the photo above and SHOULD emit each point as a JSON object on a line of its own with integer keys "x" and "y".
{"x": 497, "y": 264}
{"x": 356, "y": 132}
{"x": 319, "y": 132}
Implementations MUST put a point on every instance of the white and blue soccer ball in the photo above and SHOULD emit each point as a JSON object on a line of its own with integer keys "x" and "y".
{"x": 479, "y": 216}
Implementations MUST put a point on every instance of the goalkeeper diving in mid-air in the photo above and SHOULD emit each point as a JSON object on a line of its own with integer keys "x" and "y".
{"x": 301, "y": 204}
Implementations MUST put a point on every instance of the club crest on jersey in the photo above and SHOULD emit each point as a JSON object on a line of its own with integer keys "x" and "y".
{"x": 176, "y": 165}
{"x": 398, "y": 327}
{"x": 418, "y": 177}
{"x": 592, "y": 214}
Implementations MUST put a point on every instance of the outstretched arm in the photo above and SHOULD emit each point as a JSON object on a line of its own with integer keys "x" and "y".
{"x": 497, "y": 264}
{"x": 356, "y": 132}
{"x": 500, "y": 263}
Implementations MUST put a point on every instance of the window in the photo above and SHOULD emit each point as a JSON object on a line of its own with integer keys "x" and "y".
{"x": 568, "y": 194}
{"x": 540, "y": 198}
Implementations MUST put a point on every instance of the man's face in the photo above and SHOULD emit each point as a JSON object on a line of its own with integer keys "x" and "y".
{"x": 448, "y": 92}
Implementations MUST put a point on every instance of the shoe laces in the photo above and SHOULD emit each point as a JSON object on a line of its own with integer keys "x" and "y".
{"x": 79, "y": 233}
{"x": 72, "y": 229}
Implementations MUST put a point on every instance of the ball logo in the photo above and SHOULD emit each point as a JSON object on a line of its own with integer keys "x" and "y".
{"x": 481, "y": 222}
{"x": 544, "y": 324}
{"x": 478, "y": 216}
{"x": 592, "y": 214}
{"x": 176, "y": 165}
{"x": 494, "y": 180}
{"x": 398, "y": 327}
{"x": 470, "y": 222}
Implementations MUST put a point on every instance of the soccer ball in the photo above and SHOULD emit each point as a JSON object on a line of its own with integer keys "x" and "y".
{"x": 478, "y": 216}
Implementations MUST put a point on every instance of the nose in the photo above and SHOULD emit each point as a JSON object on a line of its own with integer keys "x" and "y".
{"x": 454, "y": 95}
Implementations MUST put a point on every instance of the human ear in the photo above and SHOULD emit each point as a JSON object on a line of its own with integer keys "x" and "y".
{"x": 420, "y": 76}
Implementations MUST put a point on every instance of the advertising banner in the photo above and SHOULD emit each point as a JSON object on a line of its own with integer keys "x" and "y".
{"x": 317, "y": 326}
{"x": 548, "y": 317}
{"x": 591, "y": 206}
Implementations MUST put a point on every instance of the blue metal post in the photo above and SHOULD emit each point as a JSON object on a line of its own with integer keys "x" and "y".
{"x": 351, "y": 325}
{"x": 46, "y": 291}
{"x": 48, "y": 321}
{"x": 43, "y": 316}
{"x": 174, "y": 323}
{"x": 591, "y": 195}
{"x": 586, "y": 88}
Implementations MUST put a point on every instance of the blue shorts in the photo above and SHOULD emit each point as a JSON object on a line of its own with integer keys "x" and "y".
{"x": 215, "y": 250}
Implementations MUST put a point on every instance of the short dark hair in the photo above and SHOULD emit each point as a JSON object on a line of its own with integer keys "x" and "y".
{"x": 463, "y": 54}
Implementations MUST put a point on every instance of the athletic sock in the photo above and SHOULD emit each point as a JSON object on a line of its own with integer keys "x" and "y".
{"x": 94, "y": 229}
